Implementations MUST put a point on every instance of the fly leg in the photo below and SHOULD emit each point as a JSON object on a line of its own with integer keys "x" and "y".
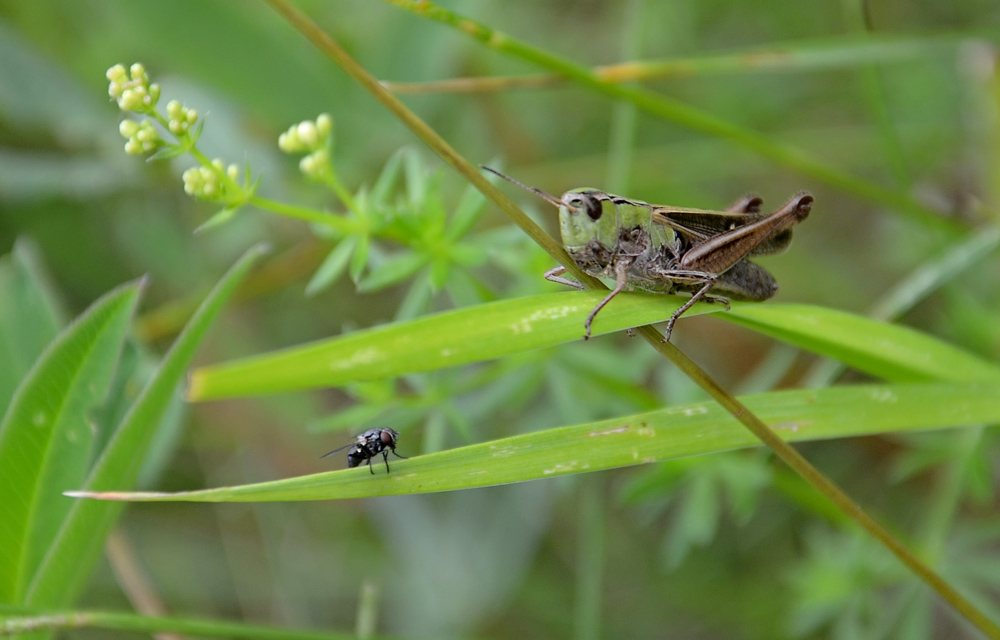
{"x": 385, "y": 458}
{"x": 621, "y": 279}
{"x": 552, "y": 275}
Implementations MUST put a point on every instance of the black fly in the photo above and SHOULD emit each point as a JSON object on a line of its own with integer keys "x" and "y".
{"x": 368, "y": 445}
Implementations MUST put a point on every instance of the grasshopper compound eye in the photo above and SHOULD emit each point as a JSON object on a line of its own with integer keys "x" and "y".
{"x": 593, "y": 208}
{"x": 590, "y": 206}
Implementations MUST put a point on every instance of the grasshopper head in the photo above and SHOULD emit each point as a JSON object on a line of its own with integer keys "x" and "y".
{"x": 585, "y": 216}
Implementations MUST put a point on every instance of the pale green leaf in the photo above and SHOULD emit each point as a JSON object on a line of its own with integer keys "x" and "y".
{"x": 387, "y": 179}
{"x": 393, "y": 270}
{"x": 359, "y": 258}
{"x": 167, "y": 151}
{"x": 332, "y": 267}
{"x": 218, "y": 219}
{"x": 470, "y": 208}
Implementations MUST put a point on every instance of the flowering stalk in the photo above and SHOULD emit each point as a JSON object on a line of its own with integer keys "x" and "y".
{"x": 214, "y": 180}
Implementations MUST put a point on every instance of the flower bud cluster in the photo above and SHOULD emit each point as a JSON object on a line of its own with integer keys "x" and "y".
{"x": 132, "y": 89}
{"x": 140, "y": 137}
{"x": 181, "y": 117}
{"x": 312, "y": 137}
{"x": 207, "y": 183}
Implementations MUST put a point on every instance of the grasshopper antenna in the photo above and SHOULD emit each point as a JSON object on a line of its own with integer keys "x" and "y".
{"x": 551, "y": 199}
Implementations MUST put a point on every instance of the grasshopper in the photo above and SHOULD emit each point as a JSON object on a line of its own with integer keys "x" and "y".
{"x": 665, "y": 249}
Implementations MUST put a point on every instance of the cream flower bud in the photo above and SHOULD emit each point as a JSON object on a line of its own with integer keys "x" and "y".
{"x": 308, "y": 133}
{"x": 324, "y": 123}
{"x": 128, "y": 128}
{"x": 115, "y": 73}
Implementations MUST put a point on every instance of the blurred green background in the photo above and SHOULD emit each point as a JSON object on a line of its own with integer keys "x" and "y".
{"x": 696, "y": 549}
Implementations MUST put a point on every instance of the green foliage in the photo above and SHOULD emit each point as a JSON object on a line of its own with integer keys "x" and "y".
{"x": 49, "y": 439}
{"x": 45, "y": 442}
{"x": 426, "y": 312}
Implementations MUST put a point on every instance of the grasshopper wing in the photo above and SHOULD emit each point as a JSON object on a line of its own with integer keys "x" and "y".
{"x": 697, "y": 225}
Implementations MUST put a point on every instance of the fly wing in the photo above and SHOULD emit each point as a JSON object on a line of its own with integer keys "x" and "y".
{"x": 337, "y": 449}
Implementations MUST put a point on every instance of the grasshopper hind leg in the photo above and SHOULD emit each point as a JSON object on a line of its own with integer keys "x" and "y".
{"x": 716, "y": 299}
{"x": 709, "y": 281}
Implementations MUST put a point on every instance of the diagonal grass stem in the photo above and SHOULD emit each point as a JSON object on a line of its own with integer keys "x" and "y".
{"x": 786, "y": 452}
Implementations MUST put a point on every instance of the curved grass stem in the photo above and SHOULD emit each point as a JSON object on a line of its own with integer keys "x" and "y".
{"x": 786, "y": 155}
{"x": 813, "y": 55}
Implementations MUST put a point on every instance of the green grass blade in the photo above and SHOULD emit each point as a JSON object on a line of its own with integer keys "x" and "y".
{"x": 796, "y": 56}
{"x": 79, "y": 541}
{"x": 470, "y": 334}
{"x": 46, "y": 437}
{"x": 798, "y": 415}
{"x": 885, "y": 350}
{"x": 53, "y": 621}
{"x": 915, "y": 287}
{"x": 497, "y": 329}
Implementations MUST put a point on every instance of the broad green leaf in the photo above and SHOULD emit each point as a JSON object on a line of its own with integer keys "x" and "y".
{"x": 503, "y": 328}
{"x": 46, "y": 436}
{"x": 697, "y": 429}
{"x": 79, "y": 541}
{"x": 881, "y": 349}
{"x": 30, "y": 316}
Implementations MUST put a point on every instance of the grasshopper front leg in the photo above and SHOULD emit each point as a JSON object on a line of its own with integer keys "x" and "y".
{"x": 621, "y": 280}
{"x": 553, "y": 275}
